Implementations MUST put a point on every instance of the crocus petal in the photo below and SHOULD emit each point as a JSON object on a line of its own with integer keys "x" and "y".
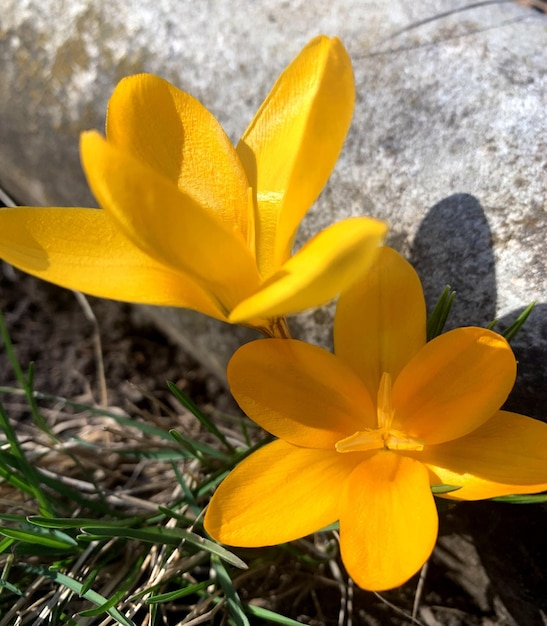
{"x": 299, "y": 392}
{"x": 388, "y": 521}
{"x": 83, "y": 249}
{"x": 453, "y": 385}
{"x": 171, "y": 132}
{"x": 280, "y": 493}
{"x": 166, "y": 224}
{"x": 325, "y": 266}
{"x": 380, "y": 321}
{"x": 506, "y": 455}
{"x": 291, "y": 146}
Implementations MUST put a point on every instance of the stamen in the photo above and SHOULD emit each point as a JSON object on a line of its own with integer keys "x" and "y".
{"x": 383, "y": 436}
{"x": 361, "y": 441}
{"x": 397, "y": 440}
{"x": 385, "y": 407}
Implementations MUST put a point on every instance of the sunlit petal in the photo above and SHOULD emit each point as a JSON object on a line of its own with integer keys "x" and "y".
{"x": 278, "y": 494}
{"x": 171, "y": 132}
{"x": 388, "y": 521}
{"x": 506, "y": 455}
{"x": 325, "y": 266}
{"x": 380, "y": 320}
{"x": 83, "y": 249}
{"x": 290, "y": 148}
{"x": 299, "y": 392}
{"x": 453, "y": 385}
{"x": 166, "y": 224}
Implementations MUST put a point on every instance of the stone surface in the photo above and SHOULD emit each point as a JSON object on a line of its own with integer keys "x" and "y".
{"x": 447, "y": 144}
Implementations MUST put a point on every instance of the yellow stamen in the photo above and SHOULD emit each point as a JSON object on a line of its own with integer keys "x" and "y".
{"x": 383, "y": 436}
{"x": 385, "y": 408}
{"x": 396, "y": 440}
{"x": 276, "y": 328}
{"x": 361, "y": 441}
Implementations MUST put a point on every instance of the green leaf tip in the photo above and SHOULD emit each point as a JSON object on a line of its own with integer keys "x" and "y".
{"x": 439, "y": 315}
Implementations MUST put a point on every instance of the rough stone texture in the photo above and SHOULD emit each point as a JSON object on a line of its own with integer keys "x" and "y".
{"x": 447, "y": 143}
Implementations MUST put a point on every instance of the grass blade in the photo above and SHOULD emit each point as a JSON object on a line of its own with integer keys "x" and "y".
{"x": 440, "y": 489}
{"x": 167, "y": 536}
{"x": 77, "y": 587}
{"x": 103, "y": 608}
{"x": 437, "y": 320}
{"x": 78, "y": 522}
{"x": 270, "y": 617}
{"x": 179, "y": 593}
{"x": 24, "y": 381}
{"x": 39, "y": 536}
{"x": 29, "y": 472}
{"x": 232, "y": 598}
{"x": 523, "y": 499}
{"x": 203, "y": 419}
{"x": 510, "y": 332}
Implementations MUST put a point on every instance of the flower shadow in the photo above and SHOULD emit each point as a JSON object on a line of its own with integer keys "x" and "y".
{"x": 454, "y": 246}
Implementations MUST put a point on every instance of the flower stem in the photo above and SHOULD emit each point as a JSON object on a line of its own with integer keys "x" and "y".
{"x": 277, "y": 328}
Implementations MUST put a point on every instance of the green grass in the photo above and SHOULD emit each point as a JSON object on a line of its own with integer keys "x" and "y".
{"x": 101, "y": 521}
{"x": 101, "y": 518}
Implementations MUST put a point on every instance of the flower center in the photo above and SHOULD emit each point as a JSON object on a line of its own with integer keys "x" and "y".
{"x": 384, "y": 436}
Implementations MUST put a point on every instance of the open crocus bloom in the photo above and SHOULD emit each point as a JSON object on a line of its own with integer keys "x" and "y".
{"x": 364, "y": 434}
{"x": 188, "y": 220}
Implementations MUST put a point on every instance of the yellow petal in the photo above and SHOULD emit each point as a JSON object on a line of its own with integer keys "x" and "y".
{"x": 291, "y": 146}
{"x": 167, "y": 224}
{"x": 325, "y": 266}
{"x": 388, "y": 521}
{"x": 171, "y": 132}
{"x": 83, "y": 249}
{"x": 299, "y": 392}
{"x": 380, "y": 321}
{"x": 453, "y": 385}
{"x": 506, "y": 455}
{"x": 280, "y": 493}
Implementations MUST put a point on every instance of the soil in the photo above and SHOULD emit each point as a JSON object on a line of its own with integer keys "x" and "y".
{"x": 490, "y": 564}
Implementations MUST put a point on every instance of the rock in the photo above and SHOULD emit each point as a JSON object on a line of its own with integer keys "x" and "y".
{"x": 447, "y": 143}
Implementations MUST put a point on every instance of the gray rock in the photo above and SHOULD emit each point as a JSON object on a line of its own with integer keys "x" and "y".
{"x": 447, "y": 143}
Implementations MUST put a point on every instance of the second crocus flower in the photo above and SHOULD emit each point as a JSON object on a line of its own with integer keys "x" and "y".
{"x": 365, "y": 433}
{"x": 188, "y": 220}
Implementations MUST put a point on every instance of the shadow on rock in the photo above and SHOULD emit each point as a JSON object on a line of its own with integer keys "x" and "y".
{"x": 454, "y": 246}
{"x": 529, "y": 395}
{"x": 494, "y": 555}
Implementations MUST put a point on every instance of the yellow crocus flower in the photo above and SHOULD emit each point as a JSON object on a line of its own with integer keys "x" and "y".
{"x": 188, "y": 220}
{"x": 365, "y": 433}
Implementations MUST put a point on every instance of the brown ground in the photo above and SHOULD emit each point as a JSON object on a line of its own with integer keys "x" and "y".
{"x": 491, "y": 563}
